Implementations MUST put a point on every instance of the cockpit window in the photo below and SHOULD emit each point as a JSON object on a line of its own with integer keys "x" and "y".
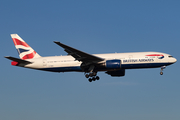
{"x": 170, "y": 56}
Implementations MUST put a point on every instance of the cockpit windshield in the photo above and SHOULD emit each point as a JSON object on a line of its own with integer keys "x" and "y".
{"x": 170, "y": 56}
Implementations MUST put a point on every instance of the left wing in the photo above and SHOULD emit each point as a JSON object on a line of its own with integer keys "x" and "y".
{"x": 79, "y": 55}
{"x": 18, "y": 60}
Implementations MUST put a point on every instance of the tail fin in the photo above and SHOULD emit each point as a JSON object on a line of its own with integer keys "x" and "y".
{"x": 24, "y": 50}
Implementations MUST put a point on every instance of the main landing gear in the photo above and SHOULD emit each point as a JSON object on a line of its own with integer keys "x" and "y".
{"x": 162, "y": 68}
{"x": 92, "y": 76}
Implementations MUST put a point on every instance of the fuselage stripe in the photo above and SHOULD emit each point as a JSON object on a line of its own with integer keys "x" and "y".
{"x": 155, "y": 55}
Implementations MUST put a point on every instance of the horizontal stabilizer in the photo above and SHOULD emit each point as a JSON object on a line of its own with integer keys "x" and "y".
{"x": 18, "y": 60}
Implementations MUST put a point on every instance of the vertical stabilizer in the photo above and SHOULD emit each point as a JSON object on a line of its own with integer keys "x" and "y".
{"x": 24, "y": 50}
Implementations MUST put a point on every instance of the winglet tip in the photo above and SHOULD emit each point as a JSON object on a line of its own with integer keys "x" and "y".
{"x": 55, "y": 41}
{"x": 6, "y": 56}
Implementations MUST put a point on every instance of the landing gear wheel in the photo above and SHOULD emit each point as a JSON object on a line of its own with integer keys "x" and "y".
{"x": 87, "y": 76}
{"x": 90, "y": 74}
{"x": 93, "y": 78}
{"x": 90, "y": 80}
{"x": 162, "y": 68}
{"x": 161, "y": 73}
{"x": 97, "y": 77}
{"x": 94, "y": 73}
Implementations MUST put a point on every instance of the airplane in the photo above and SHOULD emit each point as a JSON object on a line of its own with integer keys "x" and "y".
{"x": 113, "y": 64}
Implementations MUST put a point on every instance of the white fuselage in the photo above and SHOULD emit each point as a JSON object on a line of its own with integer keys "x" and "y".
{"x": 128, "y": 61}
{"x": 113, "y": 64}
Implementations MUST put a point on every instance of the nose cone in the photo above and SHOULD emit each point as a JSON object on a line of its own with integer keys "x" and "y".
{"x": 172, "y": 60}
{"x": 175, "y": 60}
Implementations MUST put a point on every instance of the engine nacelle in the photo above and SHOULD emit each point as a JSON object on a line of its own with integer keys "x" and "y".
{"x": 116, "y": 73}
{"x": 113, "y": 64}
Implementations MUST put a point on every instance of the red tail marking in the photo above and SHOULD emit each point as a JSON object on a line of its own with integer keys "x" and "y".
{"x": 18, "y": 42}
{"x": 29, "y": 56}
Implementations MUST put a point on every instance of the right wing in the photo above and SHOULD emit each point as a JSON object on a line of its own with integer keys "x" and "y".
{"x": 79, "y": 55}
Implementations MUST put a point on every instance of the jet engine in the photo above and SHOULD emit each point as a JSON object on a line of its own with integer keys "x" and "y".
{"x": 113, "y": 64}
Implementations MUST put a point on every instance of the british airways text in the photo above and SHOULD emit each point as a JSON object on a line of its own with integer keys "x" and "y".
{"x": 137, "y": 60}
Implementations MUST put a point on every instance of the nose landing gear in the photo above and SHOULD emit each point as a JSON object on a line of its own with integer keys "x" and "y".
{"x": 162, "y": 68}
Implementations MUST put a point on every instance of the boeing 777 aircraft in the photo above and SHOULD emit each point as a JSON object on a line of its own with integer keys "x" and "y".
{"x": 113, "y": 64}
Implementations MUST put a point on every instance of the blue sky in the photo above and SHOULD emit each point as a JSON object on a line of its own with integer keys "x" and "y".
{"x": 93, "y": 26}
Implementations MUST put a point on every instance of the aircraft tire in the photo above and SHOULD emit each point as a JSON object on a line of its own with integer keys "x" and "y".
{"x": 87, "y": 76}
{"x": 97, "y": 78}
{"x": 161, "y": 73}
{"x": 93, "y": 78}
{"x": 90, "y": 80}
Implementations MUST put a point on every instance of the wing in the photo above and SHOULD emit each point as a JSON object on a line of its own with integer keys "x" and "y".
{"x": 79, "y": 55}
{"x": 18, "y": 60}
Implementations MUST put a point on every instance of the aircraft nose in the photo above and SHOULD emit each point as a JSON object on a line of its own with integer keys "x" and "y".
{"x": 172, "y": 60}
{"x": 175, "y": 60}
